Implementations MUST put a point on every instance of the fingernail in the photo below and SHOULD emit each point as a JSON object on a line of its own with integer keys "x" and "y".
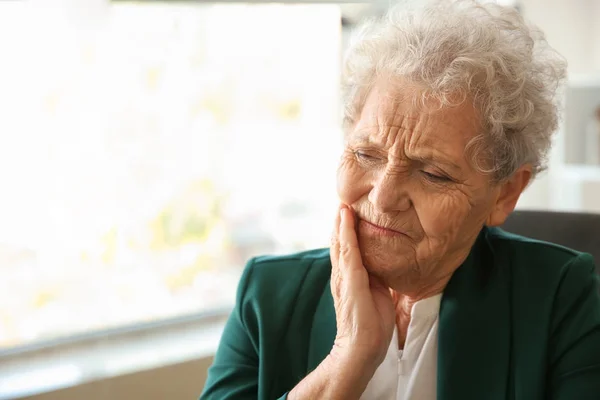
{"x": 342, "y": 211}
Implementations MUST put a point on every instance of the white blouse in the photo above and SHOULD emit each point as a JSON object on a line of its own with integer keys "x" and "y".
{"x": 410, "y": 374}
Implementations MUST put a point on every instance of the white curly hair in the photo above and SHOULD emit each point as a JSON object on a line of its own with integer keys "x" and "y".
{"x": 465, "y": 49}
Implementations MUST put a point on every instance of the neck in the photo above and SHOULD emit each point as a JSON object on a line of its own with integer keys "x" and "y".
{"x": 405, "y": 302}
{"x": 405, "y": 297}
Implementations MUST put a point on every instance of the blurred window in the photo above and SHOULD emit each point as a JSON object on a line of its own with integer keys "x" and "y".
{"x": 148, "y": 149}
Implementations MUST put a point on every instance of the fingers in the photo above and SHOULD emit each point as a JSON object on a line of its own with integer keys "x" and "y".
{"x": 347, "y": 270}
{"x": 335, "y": 243}
{"x": 349, "y": 253}
{"x": 334, "y": 251}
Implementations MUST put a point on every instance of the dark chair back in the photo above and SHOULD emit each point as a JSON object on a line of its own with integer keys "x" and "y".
{"x": 579, "y": 231}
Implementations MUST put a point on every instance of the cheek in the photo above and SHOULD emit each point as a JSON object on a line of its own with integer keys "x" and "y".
{"x": 352, "y": 181}
{"x": 443, "y": 215}
{"x": 454, "y": 219}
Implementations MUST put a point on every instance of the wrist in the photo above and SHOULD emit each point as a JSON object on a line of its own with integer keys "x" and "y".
{"x": 351, "y": 358}
{"x": 348, "y": 376}
{"x": 336, "y": 378}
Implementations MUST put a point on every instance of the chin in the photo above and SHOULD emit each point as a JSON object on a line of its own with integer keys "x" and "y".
{"x": 389, "y": 264}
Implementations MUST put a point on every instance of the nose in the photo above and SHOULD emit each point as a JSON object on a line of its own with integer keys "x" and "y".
{"x": 390, "y": 192}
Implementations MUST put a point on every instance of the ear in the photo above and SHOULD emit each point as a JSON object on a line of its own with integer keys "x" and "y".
{"x": 509, "y": 192}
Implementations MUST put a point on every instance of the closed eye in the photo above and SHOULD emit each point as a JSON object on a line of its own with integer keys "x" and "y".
{"x": 435, "y": 178}
{"x": 364, "y": 156}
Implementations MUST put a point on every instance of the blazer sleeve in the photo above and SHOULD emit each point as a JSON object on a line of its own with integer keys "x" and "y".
{"x": 575, "y": 333}
{"x": 235, "y": 369}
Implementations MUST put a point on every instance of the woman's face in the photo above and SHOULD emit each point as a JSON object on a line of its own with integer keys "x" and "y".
{"x": 420, "y": 203}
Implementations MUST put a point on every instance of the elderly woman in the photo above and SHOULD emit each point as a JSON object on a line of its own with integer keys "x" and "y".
{"x": 449, "y": 113}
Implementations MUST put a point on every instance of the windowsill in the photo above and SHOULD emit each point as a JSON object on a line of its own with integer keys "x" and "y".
{"x": 118, "y": 352}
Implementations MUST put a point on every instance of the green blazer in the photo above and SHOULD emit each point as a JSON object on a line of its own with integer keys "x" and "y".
{"x": 520, "y": 319}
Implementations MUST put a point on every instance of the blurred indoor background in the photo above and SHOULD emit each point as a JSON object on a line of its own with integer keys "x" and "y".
{"x": 149, "y": 148}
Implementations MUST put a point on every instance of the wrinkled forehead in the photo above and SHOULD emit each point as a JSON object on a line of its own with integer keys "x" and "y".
{"x": 403, "y": 109}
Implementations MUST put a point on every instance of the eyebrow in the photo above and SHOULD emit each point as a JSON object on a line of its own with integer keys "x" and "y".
{"x": 429, "y": 159}
{"x": 363, "y": 136}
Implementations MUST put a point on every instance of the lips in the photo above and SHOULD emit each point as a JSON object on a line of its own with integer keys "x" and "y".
{"x": 381, "y": 230}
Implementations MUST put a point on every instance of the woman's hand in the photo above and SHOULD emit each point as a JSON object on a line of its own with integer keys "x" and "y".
{"x": 364, "y": 307}
{"x": 365, "y": 317}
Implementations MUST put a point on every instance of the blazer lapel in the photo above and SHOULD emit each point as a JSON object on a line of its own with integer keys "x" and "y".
{"x": 323, "y": 329}
{"x": 474, "y": 329}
